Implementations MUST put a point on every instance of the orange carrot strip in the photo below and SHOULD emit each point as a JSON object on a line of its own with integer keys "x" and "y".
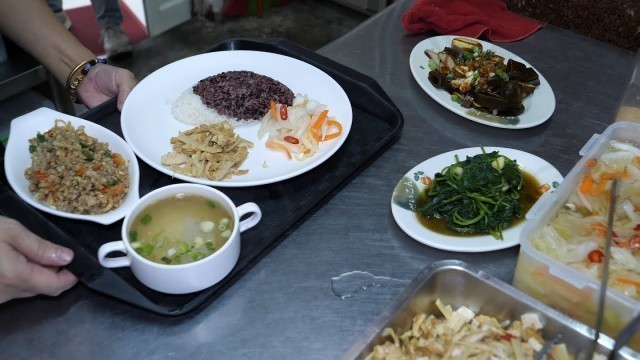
{"x": 118, "y": 159}
{"x": 613, "y": 175}
{"x": 587, "y": 185}
{"x": 279, "y": 147}
{"x": 628, "y": 281}
{"x": 599, "y": 229}
{"x": 331, "y": 136}
{"x": 621, "y": 244}
{"x": 316, "y": 125}
{"x": 334, "y": 134}
{"x": 591, "y": 162}
{"x": 602, "y": 185}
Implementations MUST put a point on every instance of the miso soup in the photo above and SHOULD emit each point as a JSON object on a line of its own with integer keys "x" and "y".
{"x": 180, "y": 230}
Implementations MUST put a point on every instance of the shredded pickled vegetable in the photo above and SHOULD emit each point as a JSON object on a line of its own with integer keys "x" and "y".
{"x": 298, "y": 130}
{"x": 576, "y": 235}
{"x": 463, "y": 334}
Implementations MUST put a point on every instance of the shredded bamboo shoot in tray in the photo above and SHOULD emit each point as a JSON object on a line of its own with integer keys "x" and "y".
{"x": 462, "y": 334}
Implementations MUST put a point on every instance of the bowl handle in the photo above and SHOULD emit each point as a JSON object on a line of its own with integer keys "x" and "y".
{"x": 252, "y": 220}
{"x": 110, "y": 247}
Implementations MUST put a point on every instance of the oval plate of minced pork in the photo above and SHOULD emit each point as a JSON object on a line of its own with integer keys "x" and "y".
{"x": 157, "y": 111}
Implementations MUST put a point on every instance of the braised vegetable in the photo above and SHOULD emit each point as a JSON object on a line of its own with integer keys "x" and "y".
{"x": 479, "y": 195}
{"x": 480, "y": 79}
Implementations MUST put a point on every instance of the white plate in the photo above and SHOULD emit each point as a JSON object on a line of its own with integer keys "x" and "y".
{"x": 148, "y": 125}
{"x": 409, "y": 189}
{"x": 17, "y": 159}
{"x": 538, "y": 106}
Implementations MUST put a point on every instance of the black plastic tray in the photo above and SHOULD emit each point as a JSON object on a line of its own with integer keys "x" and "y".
{"x": 376, "y": 124}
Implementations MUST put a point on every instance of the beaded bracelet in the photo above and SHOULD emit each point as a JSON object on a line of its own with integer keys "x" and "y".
{"x": 86, "y": 65}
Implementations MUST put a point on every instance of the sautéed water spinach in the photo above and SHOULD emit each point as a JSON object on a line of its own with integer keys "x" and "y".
{"x": 180, "y": 230}
{"x": 484, "y": 194}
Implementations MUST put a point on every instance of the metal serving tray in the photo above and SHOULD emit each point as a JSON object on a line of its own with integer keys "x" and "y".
{"x": 457, "y": 283}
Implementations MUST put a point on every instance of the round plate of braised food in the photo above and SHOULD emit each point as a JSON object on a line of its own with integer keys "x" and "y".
{"x": 236, "y": 118}
{"x": 473, "y": 199}
{"x": 482, "y": 82}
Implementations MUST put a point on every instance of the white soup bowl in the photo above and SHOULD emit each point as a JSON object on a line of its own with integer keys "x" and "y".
{"x": 182, "y": 278}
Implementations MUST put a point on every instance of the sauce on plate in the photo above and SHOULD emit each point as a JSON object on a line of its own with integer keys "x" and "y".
{"x": 529, "y": 195}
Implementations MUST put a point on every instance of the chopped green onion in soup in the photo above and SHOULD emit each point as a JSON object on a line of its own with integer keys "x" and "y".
{"x": 180, "y": 230}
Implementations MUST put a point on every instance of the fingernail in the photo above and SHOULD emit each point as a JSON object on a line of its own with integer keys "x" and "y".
{"x": 64, "y": 256}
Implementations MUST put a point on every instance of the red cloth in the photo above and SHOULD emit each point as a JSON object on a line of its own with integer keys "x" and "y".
{"x": 470, "y": 18}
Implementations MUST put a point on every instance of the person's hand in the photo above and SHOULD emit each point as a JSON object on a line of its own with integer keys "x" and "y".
{"x": 104, "y": 82}
{"x": 30, "y": 265}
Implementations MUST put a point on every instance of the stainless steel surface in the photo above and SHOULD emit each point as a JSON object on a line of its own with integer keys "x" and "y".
{"x": 365, "y": 6}
{"x": 458, "y": 284}
{"x": 632, "y": 328}
{"x": 293, "y": 304}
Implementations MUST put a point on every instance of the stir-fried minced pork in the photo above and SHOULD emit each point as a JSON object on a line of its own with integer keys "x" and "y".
{"x": 74, "y": 172}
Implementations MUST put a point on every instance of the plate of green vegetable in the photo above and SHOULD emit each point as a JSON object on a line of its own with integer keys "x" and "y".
{"x": 471, "y": 200}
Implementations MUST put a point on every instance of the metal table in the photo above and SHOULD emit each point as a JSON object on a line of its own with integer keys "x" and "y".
{"x": 294, "y": 303}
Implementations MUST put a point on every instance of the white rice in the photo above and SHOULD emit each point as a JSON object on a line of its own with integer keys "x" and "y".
{"x": 189, "y": 109}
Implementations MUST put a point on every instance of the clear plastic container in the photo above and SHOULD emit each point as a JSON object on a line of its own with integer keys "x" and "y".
{"x": 629, "y": 109}
{"x": 558, "y": 285}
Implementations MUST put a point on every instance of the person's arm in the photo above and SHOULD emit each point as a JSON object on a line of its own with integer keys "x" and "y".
{"x": 34, "y": 27}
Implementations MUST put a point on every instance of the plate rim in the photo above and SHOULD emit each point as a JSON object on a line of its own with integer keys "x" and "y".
{"x": 346, "y": 123}
{"x": 425, "y": 235}
{"x": 457, "y": 109}
{"x": 37, "y": 119}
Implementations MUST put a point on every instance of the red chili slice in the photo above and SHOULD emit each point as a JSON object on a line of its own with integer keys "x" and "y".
{"x": 283, "y": 112}
{"x": 507, "y": 336}
{"x": 291, "y": 139}
{"x": 596, "y": 256}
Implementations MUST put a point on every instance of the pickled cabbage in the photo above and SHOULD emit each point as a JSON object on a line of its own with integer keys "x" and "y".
{"x": 576, "y": 235}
